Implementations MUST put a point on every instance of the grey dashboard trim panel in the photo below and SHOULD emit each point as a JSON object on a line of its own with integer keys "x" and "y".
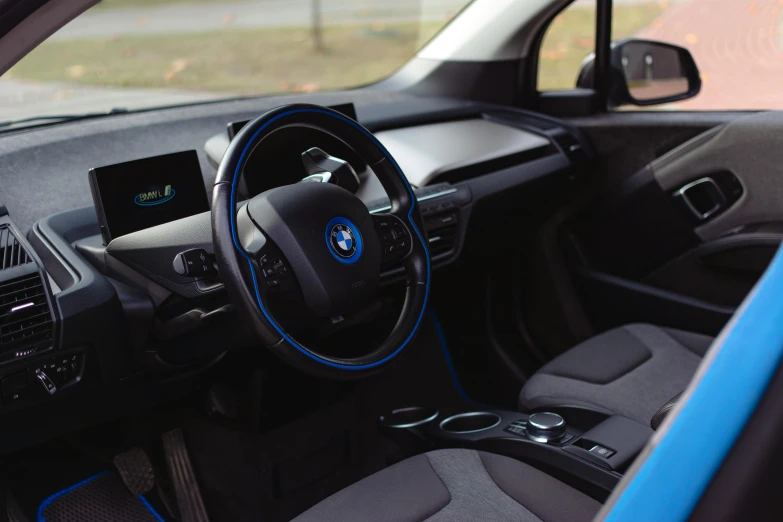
{"x": 152, "y": 251}
{"x": 424, "y": 151}
{"x": 428, "y": 197}
{"x": 749, "y": 148}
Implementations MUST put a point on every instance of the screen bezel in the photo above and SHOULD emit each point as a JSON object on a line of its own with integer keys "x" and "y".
{"x": 189, "y": 160}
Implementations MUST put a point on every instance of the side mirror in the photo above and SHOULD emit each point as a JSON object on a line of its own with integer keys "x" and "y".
{"x": 645, "y": 72}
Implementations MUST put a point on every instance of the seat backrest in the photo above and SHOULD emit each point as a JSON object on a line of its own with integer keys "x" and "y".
{"x": 670, "y": 476}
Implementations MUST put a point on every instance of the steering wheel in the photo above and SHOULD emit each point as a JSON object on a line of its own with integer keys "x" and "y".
{"x": 313, "y": 250}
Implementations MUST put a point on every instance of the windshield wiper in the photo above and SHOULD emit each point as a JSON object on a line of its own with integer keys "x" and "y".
{"x": 62, "y": 117}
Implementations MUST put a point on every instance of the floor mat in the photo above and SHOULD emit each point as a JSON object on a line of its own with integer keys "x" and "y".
{"x": 100, "y": 498}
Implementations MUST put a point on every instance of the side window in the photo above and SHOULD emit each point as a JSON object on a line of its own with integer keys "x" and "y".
{"x": 567, "y": 41}
{"x": 737, "y": 46}
{"x": 570, "y": 38}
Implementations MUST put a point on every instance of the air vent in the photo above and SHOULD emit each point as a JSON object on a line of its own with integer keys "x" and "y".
{"x": 442, "y": 232}
{"x": 11, "y": 252}
{"x": 443, "y": 241}
{"x": 25, "y": 319}
{"x": 571, "y": 146}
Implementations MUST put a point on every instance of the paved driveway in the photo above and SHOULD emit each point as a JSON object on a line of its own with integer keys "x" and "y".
{"x": 737, "y": 47}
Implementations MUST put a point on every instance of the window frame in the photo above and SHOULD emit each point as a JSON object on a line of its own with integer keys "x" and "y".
{"x": 576, "y": 101}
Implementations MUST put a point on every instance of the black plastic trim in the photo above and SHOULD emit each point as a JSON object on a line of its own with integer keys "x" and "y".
{"x": 612, "y": 301}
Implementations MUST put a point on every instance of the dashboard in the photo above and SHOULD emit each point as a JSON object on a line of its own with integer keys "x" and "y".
{"x": 118, "y": 324}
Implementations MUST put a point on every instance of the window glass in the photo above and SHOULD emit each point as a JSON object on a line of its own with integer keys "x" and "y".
{"x": 571, "y": 37}
{"x": 568, "y": 40}
{"x": 143, "y": 53}
{"x": 737, "y": 46}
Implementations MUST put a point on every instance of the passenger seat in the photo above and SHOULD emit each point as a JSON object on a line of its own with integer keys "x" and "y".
{"x": 631, "y": 371}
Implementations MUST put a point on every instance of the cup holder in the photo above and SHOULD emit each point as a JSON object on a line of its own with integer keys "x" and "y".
{"x": 407, "y": 428}
{"x": 472, "y": 422}
{"x": 409, "y": 417}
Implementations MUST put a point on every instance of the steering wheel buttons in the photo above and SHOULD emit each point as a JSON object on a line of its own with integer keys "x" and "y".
{"x": 274, "y": 268}
{"x": 398, "y": 231}
{"x": 273, "y": 283}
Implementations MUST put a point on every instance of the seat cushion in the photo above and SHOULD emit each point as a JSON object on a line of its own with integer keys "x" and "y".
{"x": 456, "y": 485}
{"x": 631, "y": 371}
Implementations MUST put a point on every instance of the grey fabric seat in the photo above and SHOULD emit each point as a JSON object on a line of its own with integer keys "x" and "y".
{"x": 631, "y": 371}
{"x": 456, "y": 485}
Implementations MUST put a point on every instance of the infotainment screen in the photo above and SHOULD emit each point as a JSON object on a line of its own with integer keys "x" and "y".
{"x": 144, "y": 193}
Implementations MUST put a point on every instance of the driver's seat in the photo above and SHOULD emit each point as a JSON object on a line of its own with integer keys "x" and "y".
{"x": 455, "y": 485}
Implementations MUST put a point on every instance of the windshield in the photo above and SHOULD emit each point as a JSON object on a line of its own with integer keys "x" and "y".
{"x": 134, "y": 54}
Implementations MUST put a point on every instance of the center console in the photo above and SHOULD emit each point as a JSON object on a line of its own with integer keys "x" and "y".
{"x": 595, "y": 452}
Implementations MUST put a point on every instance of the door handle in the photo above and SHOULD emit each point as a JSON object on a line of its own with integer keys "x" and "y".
{"x": 702, "y": 197}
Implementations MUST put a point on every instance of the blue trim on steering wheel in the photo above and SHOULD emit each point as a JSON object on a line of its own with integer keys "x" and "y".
{"x": 269, "y": 318}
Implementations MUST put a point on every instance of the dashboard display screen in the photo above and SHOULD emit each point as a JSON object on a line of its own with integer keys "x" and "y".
{"x": 144, "y": 193}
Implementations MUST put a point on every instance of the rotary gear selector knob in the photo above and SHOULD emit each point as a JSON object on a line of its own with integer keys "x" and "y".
{"x": 546, "y": 427}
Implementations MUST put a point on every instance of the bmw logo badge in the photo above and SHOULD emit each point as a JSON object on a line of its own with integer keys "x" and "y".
{"x": 344, "y": 240}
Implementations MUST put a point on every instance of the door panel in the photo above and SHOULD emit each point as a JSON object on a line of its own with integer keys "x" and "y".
{"x": 640, "y": 246}
{"x": 749, "y": 148}
{"x": 632, "y": 251}
{"x": 625, "y": 142}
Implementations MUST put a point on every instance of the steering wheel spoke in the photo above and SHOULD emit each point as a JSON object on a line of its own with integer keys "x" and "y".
{"x": 272, "y": 272}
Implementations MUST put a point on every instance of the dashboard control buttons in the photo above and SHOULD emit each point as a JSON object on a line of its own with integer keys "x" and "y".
{"x": 42, "y": 378}
{"x": 601, "y": 451}
{"x": 546, "y": 427}
{"x": 195, "y": 263}
{"x": 60, "y": 371}
{"x": 14, "y": 387}
{"x": 517, "y": 427}
{"x": 46, "y": 382}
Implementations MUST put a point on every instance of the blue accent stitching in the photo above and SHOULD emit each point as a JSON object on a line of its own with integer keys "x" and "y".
{"x": 357, "y": 237}
{"x": 253, "y": 273}
{"x": 679, "y": 469}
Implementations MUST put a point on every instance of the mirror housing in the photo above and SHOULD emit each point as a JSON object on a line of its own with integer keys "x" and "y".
{"x": 646, "y": 72}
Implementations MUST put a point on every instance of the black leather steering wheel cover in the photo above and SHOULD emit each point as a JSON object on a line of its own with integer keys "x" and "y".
{"x": 238, "y": 276}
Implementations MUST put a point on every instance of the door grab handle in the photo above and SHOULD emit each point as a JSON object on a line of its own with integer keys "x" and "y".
{"x": 703, "y": 197}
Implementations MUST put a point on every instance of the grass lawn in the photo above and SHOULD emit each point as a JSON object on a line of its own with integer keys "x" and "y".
{"x": 571, "y": 37}
{"x": 238, "y": 61}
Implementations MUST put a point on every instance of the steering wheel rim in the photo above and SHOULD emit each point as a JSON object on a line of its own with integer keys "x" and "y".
{"x": 239, "y": 272}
